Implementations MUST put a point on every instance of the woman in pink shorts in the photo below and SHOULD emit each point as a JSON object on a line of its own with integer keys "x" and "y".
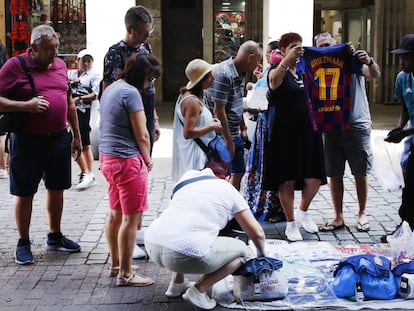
{"x": 124, "y": 147}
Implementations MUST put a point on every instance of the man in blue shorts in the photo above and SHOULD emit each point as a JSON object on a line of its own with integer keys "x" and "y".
{"x": 225, "y": 99}
{"x": 43, "y": 148}
{"x": 352, "y": 145}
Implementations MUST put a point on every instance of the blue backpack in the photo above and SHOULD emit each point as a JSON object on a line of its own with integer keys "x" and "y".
{"x": 373, "y": 272}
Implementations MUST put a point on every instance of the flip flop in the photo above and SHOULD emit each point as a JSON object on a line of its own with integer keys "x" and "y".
{"x": 363, "y": 227}
{"x": 330, "y": 227}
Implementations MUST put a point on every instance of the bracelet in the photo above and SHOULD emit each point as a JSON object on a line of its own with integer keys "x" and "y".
{"x": 283, "y": 66}
{"x": 371, "y": 61}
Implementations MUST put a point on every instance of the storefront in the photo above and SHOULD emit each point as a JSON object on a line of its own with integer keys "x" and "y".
{"x": 68, "y": 17}
{"x": 229, "y": 31}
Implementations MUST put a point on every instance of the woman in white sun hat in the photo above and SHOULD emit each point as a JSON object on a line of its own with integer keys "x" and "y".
{"x": 192, "y": 120}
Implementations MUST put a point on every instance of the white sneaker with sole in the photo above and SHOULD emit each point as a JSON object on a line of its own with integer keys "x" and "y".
{"x": 198, "y": 299}
{"x": 292, "y": 232}
{"x": 177, "y": 289}
{"x": 86, "y": 181}
{"x": 305, "y": 219}
{"x": 138, "y": 253}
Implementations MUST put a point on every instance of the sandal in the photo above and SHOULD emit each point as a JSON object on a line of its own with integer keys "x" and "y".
{"x": 133, "y": 280}
{"x": 363, "y": 227}
{"x": 330, "y": 227}
{"x": 362, "y": 224}
{"x": 114, "y": 271}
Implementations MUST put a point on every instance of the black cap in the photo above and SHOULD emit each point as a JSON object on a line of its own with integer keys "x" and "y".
{"x": 406, "y": 46}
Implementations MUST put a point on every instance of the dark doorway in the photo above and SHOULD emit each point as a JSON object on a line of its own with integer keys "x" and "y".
{"x": 182, "y": 23}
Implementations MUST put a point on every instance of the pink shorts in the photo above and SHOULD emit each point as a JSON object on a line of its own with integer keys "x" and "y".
{"x": 128, "y": 183}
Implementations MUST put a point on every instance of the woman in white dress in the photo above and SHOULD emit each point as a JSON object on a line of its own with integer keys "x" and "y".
{"x": 192, "y": 120}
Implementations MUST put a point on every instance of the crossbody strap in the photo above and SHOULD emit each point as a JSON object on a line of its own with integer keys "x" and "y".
{"x": 188, "y": 181}
{"x": 199, "y": 142}
{"x": 28, "y": 74}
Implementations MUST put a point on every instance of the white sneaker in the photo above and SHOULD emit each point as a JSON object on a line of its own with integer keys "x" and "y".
{"x": 305, "y": 219}
{"x": 198, "y": 299}
{"x": 86, "y": 181}
{"x": 177, "y": 289}
{"x": 138, "y": 253}
{"x": 292, "y": 232}
{"x": 3, "y": 174}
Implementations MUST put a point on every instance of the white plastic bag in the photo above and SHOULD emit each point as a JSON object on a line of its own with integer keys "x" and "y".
{"x": 387, "y": 166}
{"x": 401, "y": 243}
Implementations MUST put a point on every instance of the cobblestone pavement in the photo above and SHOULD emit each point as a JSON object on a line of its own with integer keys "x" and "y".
{"x": 59, "y": 281}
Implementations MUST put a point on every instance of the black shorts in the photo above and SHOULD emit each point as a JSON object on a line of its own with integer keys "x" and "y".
{"x": 36, "y": 156}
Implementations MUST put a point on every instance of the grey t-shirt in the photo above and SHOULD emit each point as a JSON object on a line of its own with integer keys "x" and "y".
{"x": 116, "y": 135}
{"x": 360, "y": 117}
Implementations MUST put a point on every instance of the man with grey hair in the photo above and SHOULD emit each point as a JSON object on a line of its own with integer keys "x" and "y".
{"x": 138, "y": 23}
{"x": 43, "y": 147}
{"x": 225, "y": 99}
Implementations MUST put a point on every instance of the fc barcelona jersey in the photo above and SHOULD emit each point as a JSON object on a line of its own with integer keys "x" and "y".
{"x": 327, "y": 76}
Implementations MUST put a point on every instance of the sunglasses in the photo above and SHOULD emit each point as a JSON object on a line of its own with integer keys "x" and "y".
{"x": 323, "y": 34}
{"x": 143, "y": 33}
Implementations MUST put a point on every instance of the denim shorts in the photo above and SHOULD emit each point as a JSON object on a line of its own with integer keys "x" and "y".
{"x": 223, "y": 251}
{"x": 37, "y": 156}
{"x": 128, "y": 183}
{"x": 238, "y": 165}
{"x": 353, "y": 146}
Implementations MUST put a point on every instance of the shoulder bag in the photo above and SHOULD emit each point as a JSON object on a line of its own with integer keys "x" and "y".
{"x": 13, "y": 121}
{"x": 218, "y": 155}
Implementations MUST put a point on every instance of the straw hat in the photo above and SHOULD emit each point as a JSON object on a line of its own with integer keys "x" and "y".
{"x": 195, "y": 71}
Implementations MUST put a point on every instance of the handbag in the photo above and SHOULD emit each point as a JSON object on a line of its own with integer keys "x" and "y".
{"x": 218, "y": 155}
{"x": 14, "y": 121}
{"x": 260, "y": 279}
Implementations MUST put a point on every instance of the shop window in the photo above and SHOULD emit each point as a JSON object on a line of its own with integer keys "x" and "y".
{"x": 68, "y": 17}
{"x": 228, "y": 30}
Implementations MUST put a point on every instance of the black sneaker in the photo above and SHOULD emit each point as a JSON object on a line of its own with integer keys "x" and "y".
{"x": 58, "y": 242}
{"x": 23, "y": 255}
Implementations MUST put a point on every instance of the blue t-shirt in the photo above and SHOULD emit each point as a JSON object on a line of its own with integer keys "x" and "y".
{"x": 327, "y": 76}
{"x": 404, "y": 91}
{"x": 116, "y": 134}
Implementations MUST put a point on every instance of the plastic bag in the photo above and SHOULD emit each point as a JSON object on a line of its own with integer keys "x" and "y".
{"x": 387, "y": 164}
{"x": 401, "y": 243}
